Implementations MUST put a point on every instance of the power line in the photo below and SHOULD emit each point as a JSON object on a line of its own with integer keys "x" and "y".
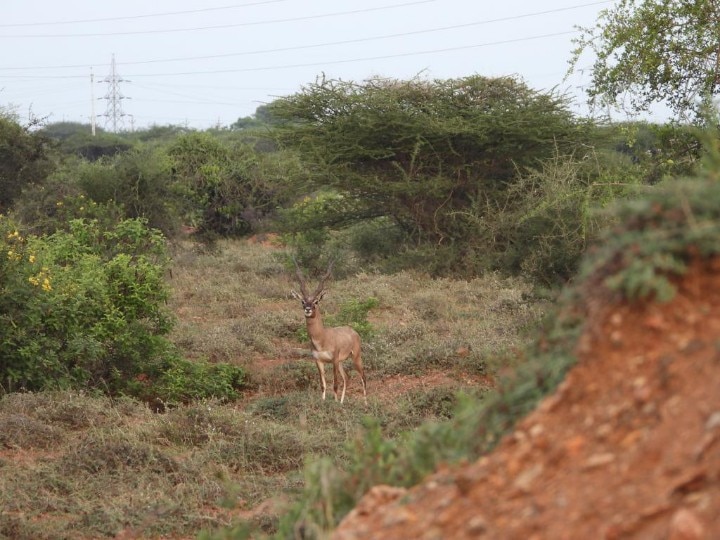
{"x": 362, "y": 59}
{"x": 221, "y": 26}
{"x": 135, "y": 17}
{"x": 310, "y": 64}
{"x": 327, "y": 44}
{"x": 365, "y": 40}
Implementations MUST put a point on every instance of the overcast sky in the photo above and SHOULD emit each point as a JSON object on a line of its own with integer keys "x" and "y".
{"x": 210, "y": 62}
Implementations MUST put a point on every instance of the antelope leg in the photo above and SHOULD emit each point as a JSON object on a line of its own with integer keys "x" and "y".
{"x": 321, "y": 369}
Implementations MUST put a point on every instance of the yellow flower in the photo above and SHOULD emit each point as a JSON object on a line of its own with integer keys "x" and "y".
{"x": 31, "y": 258}
{"x": 34, "y": 280}
{"x": 59, "y": 203}
{"x": 46, "y": 285}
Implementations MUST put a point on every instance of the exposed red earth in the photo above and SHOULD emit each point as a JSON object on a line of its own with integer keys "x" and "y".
{"x": 627, "y": 447}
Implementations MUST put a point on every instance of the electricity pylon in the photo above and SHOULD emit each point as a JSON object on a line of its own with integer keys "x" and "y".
{"x": 114, "y": 115}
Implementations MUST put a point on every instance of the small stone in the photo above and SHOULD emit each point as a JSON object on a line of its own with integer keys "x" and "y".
{"x": 604, "y": 431}
{"x": 526, "y": 478}
{"x": 713, "y": 422}
{"x": 641, "y": 393}
{"x": 401, "y": 516}
{"x": 693, "y": 346}
{"x": 477, "y": 526}
{"x": 433, "y": 533}
{"x": 631, "y": 438}
{"x": 685, "y": 525}
{"x": 599, "y": 460}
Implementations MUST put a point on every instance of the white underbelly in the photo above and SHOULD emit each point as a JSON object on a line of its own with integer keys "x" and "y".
{"x": 323, "y": 356}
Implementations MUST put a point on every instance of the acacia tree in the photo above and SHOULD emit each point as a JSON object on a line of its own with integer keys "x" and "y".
{"x": 655, "y": 51}
{"x": 421, "y": 152}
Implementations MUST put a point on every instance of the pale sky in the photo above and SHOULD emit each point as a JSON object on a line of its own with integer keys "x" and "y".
{"x": 210, "y": 62}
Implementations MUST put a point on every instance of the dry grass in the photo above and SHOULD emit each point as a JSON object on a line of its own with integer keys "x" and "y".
{"x": 79, "y": 466}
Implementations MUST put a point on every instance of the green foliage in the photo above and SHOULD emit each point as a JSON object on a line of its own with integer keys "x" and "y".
{"x": 656, "y": 237}
{"x": 183, "y": 381}
{"x": 76, "y": 139}
{"x": 24, "y": 158}
{"x": 551, "y": 216}
{"x": 647, "y": 277}
{"x": 138, "y": 181}
{"x": 417, "y": 152}
{"x": 374, "y": 240}
{"x": 308, "y": 227}
{"x": 354, "y": 313}
{"x": 650, "y": 51}
{"x": 82, "y": 307}
{"x": 227, "y": 189}
{"x": 661, "y": 150}
{"x": 51, "y": 206}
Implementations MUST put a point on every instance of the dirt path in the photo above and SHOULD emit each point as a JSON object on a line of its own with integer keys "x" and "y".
{"x": 629, "y": 446}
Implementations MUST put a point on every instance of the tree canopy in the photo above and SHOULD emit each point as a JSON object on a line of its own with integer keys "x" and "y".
{"x": 419, "y": 151}
{"x": 655, "y": 51}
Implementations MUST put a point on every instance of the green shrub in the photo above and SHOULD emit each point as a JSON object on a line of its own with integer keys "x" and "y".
{"x": 51, "y": 206}
{"x": 82, "y": 307}
{"x": 655, "y": 238}
{"x": 226, "y": 189}
{"x": 183, "y": 381}
{"x": 138, "y": 180}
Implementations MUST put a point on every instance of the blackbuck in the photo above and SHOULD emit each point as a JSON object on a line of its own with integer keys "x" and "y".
{"x": 329, "y": 345}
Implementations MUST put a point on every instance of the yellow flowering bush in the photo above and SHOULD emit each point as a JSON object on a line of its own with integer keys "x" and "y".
{"x": 82, "y": 307}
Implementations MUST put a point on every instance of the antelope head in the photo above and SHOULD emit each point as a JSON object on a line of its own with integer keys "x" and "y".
{"x": 310, "y": 301}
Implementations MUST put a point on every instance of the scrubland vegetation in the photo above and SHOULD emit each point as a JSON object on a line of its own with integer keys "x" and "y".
{"x": 152, "y": 375}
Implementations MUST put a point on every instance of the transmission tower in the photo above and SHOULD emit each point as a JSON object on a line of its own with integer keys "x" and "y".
{"x": 114, "y": 115}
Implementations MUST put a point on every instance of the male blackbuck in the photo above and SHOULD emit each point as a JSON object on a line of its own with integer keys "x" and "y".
{"x": 329, "y": 345}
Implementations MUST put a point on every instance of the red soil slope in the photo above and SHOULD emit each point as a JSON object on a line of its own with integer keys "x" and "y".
{"x": 628, "y": 447}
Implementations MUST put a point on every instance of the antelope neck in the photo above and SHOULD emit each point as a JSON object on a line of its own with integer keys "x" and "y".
{"x": 314, "y": 322}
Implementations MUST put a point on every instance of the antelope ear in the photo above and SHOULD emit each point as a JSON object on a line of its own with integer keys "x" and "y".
{"x": 320, "y": 296}
{"x": 296, "y": 295}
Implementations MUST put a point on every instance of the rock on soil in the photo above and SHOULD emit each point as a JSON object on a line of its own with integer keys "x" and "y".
{"x": 628, "y": 446}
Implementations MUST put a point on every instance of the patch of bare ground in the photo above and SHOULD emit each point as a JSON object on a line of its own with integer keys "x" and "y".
{"x": 628, "y": 446}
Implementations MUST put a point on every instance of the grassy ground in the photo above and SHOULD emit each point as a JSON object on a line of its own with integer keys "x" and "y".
{"x": 81, "y": 466}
